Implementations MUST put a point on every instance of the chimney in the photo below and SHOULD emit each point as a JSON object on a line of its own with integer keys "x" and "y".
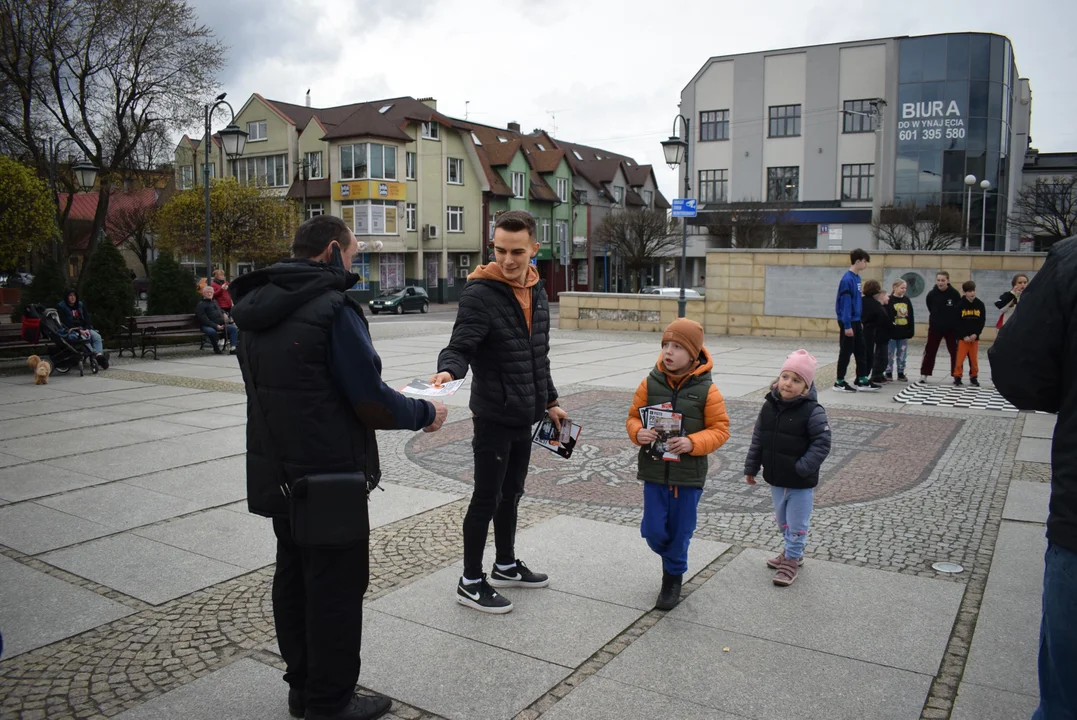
{"x": 429, "y": 102}
{"x": 308, "y": 97}
{"x": 514, "y": 126}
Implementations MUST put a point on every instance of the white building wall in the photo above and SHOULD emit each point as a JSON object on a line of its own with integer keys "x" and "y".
{"x": 785, "y": 81}
{"x": 862, "y": 77}
{"x": 713, "y": 91}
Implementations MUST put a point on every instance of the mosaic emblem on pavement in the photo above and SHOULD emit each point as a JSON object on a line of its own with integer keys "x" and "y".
{"x": 872, "y": 457}
{"x": 968, "y": 397}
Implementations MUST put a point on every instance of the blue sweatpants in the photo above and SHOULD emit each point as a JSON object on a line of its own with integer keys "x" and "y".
{"x": 669, "y": 519}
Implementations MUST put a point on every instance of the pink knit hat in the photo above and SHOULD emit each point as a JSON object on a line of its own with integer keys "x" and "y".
{"x": 803, "y": 364}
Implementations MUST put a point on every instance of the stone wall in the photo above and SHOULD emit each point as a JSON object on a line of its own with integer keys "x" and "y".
{"x": 800, "y": 299}
{"x": 612, "y": 311}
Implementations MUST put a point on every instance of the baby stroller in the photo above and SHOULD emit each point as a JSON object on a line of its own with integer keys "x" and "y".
{"x": 68, "y": 347}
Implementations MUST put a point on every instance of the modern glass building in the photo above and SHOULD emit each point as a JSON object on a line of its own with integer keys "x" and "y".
{"x": 825, "y": 137}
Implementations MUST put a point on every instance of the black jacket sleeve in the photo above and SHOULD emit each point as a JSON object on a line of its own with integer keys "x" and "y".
{"x": 983, "y": 318}
{"x": 819, "y": 433}
{"x": 1027, "y": 357}
{"x": 1004, "y": 300}
{"x": 472, "y": 326}
{"x": 356, "y": 370}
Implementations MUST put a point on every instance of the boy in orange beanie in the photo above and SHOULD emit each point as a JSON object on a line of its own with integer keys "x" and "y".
{"x": 671, "y": 490}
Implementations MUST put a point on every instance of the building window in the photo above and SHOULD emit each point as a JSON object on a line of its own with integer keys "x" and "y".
{"x": 545, "y": 231}
{"x": 713, "y": 186}
{"x": 391, "y": 271}
{"x": 648, "y": 198}
{"x": 856, "y": 181}
{"x": 784, "y": 121}
{"x": 212, "y": 169}
{"x": 409, "y": 166}
{"x": 361, "y": 267}
{"x": 518, "y": 185}
{"x": 562, "y": 189}
{"x": 456, "y": 171}
{"x": 313, "y": 165}
{"x": 714, "y": 125}
{"x": 256, "y": 131}
{"x": 859, "y": 116}
{"x": 431, "y": 131}
{"x": 454, "y": 218}
{"x": 561, "y": 227}
{"x": 370, "y": 217}
{"x": 314, "y": 210}
{"x": 363, "y": 160}
{"x": 581, "y": 197}
{"x": 186, "y": 177}
{"x": 783, "y": 184}
{"x": 411, "y": 214}
{"x": 271, "y": 170}
{"x": 618, "y": 194}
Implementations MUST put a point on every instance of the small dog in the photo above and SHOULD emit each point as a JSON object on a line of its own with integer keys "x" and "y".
{"x": 42, "y": 369}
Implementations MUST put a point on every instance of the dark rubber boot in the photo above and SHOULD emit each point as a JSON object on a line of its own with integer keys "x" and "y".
{"x": 671, "y": 592}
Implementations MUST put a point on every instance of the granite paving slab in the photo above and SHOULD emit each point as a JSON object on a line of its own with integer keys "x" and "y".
{"x": 448, "y": 675}
{"x": 866, "y": 614}
{"x": 41, "y": 407}
{"x": 244, "y": 690}
{"x": 9, "y": 460}
{"x": 142, "y": 568}
{"x": 976, "y": 702}
{"x": 399, "y": 502}
{"x": 153, "y": 392}
{"x": 744, "y": 682}
{"x": 545, "y": 624}
{"x": 90, "y": 439}
{"x": 603, "y": 561}
{"x": 25, "y": 482}
{"x": 119, "y": 506}
{"x": 30, "y": 426}
{"x": 15, "y": 394}
{"x": 1006, "y": 643}
{"x": 1033, "y": 449}
{"x": 1025, "y": 502}
{"x": 207, "y": 484}
{"x": 207, "y": 401}
{"x": 122, "y": 463}
{"x": 37, "y": 609}
{"x": 208, "y": 418}
{"x": 31, "y": 528}
{"x": 243, "y": 540}
{"x": 91, "y": 384}
{"x": 1039, "y": 426}
{"x": 600, "y": 699}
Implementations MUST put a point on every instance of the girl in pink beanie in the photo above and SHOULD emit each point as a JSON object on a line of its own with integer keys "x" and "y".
{"x": 790, "y": 442}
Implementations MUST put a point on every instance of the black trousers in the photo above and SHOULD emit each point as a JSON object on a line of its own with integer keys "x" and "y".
{"x": 852, "y": 346}
{"x": 876, "y": 341}
{"x": 501, "y": 458}
{"x": 318, "y": 612}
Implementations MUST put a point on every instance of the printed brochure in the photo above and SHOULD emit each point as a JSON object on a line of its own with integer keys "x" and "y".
{"x": 547, "y": 436}
{"x": 425, "y": 388}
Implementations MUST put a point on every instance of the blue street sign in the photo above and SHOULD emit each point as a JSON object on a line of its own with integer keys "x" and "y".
{"x": 684, "y": 207}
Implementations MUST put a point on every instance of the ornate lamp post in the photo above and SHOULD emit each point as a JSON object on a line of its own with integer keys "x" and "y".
{"x": 233, "y": 139}
{"x": 676, "y": 151}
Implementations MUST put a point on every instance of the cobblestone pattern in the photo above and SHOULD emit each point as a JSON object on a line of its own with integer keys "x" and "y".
{"x": 1031, "y": 472}
{"x": 943, "y": 692}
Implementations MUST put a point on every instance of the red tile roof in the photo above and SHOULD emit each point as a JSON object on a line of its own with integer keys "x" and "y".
{"x": 84, "y": 208}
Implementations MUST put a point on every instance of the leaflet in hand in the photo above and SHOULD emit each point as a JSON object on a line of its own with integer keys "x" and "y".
{"x": 563, "y": 442}
{"x": 426, "y": 388}
{"x": 667, "y": 425}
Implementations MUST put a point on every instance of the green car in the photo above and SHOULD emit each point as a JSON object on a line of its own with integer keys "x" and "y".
{"x": 401, "y": 300}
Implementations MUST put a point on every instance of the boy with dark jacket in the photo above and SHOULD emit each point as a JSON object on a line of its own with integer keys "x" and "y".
{"x": 876, "y": 330}
{"x": 502, "y": 331}
{"x": 971, "y": 317}
{"x": 848, "y": 308}
{"x": 942, "y": 323}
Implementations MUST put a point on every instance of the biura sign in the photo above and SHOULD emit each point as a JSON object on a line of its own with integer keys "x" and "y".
{"x": 936, "y": 120}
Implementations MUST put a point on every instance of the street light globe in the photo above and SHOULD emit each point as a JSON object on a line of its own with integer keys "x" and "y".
{"x": 986, "y": 184}
{"x": 233, "y": 140}
{"x": 85, "y": 175}
{"x": 970, "y": 180}
{"x": 674, "y": 149}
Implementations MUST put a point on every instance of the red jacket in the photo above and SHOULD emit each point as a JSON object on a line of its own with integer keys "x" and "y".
{"x": 220, "y": 294}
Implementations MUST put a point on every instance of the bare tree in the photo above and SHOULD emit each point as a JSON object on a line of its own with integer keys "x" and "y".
{"x": 918, "y": 227}
{"x": 754, "y": 225}
{"x": 132, "y": 226}
{"x": 1047, "y": 209}
{"x": 105, "y": 73}
{"x": 638, "y": 238}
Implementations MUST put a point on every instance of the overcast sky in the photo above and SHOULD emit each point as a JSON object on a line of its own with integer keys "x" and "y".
{"x": 603, "y": 73}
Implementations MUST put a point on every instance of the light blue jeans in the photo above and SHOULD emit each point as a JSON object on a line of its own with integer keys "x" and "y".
{"x": 1058, "y": 636}
{"x": 897, "y": 350}
{"x": 792, "y": 512}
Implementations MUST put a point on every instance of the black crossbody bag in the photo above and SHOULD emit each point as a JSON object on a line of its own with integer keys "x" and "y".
{"x": 326, "y": 510}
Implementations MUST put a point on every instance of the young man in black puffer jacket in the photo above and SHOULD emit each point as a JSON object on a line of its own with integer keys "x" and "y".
{"x": 503, "y": 332}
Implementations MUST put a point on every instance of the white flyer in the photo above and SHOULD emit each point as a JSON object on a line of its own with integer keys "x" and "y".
{"x": 426, "y": 388}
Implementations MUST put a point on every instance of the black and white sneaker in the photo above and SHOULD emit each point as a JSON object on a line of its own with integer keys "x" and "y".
{"x": 974, "y": 381}
{"x": 480, "y": 596}
{"x": 866, "y": 385}
{"x": 518, "y": 576}
{"x": 842, "y": 386}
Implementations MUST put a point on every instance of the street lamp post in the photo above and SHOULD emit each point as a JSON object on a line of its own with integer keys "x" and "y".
{"x": 233, "y": 139}
{"x": 85, "y": 177}
{"x": 676, "y": 152}
{"x": 970, "y": 180}
{"x": 986, "y": 185}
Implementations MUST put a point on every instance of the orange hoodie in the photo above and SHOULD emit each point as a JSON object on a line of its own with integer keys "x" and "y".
{"x": 522, "y": 290}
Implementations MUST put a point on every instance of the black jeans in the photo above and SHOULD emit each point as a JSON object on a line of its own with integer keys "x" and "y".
{"x": 501, "y": 458}
{"x": 318, "y": 612}
{"x": 876, "y": 341}
{"x": 851, "y": 346}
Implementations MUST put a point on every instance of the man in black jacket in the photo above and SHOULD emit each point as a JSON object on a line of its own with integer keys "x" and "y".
{"x": 503, "y": 332}
{"x": 314, "y": 399}
{"x": 214, "y": 322}
{"x": 1034, "y": 365}
{"x": 942, "y": 323}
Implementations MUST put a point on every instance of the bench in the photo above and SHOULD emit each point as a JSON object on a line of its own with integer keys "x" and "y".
{"x": 11, "y": 338}
{"x": 148, "y": 328}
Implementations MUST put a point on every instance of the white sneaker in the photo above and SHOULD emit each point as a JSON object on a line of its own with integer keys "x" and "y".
{"x": 923, "y": 380}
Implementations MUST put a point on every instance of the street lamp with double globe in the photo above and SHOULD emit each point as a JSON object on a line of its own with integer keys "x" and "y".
{"x": 676, "y": 151}
{"x": 234, "y": 140}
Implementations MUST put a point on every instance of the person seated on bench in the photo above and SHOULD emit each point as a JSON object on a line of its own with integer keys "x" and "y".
{"x": 73, "y": 315}
{"x": 212, "y": 321}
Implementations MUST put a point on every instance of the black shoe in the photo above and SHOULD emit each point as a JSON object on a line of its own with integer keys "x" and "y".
{"x": 297, "y": 707}
{"x": 957, "y": 382}
{"x": 102, "y": 360}
{"x": 974, "y": 381}
{"x": 902, "y": 378}
{"x": 671, "y": 592}
{"x": 518, "y": 576}
{"x": 480, "y": 596}
{"x": 360, "y": 707}
{"x": 889, "y": 376}
{"x": 879, "y": 380}
{"x": 866, "y": 385}
{"x": 842, "y": 386}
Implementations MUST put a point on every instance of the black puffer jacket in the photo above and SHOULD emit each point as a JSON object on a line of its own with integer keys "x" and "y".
{"x": 791, "y": 440}
{"x": 512, "y": 382}
{"x": 1034, "y": 365}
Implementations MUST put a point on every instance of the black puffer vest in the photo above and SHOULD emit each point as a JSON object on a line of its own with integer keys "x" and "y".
{"x": 285, "y": 314}
{"x": 783, "y": 428}
{"x": 690, "y": 400}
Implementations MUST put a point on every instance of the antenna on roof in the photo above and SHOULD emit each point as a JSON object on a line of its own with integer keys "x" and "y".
{"x": 308, "y": 97}
{"x": 467, "y": 104}
{"x": 553, "y": 119}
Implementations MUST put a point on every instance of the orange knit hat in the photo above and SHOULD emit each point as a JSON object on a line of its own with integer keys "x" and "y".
{"x": 686, "y": 333}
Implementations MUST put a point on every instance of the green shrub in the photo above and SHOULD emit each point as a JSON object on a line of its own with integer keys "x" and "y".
{"x": 107, "y": 291}
{"x": 47, "y": 289}
{"x": 172, "y": 288}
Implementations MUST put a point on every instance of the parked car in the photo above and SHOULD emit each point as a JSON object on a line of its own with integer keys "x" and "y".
{"x": 16, "y": 279}
{"x": 670, "y": 292}
{"x": 142, "y": 288}
{"x": 400, "y": 300}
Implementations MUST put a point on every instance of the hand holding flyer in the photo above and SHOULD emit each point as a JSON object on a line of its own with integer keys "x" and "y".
{"x": 561, "y": 442}
{"x": 425, "y": 388}
{"x": 666, "y": 425}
